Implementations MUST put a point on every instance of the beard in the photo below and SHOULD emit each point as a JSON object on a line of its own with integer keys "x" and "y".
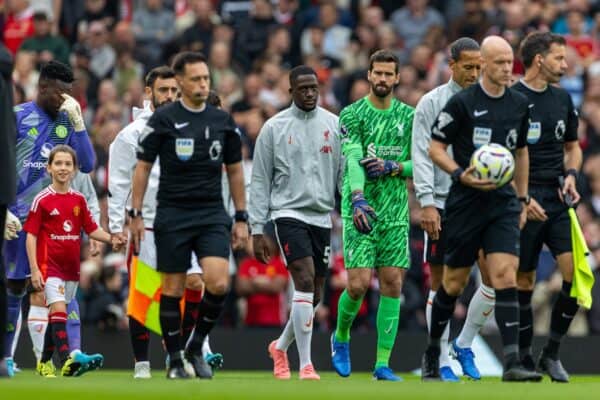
{"x": 157, "y": 104}
{"x": 381, "y": 90}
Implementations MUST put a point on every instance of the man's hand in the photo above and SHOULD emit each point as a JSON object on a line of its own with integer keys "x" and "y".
{"x": 431, "y": 222}
{"x": 468, "y": 179}
{"x": 12, "y": 226}
{"x": 377, "y": 167}
{"x": 239, "y": 235}
{"x": 568, "y": 193}
{"x": 261, "y": 248}
{"x": 535, "y": 212}
{"x": 37, "y": 281}
{"x": 361, "y": 213}
{"x": 137, "y": 233}
{"x": 73, "y": 110}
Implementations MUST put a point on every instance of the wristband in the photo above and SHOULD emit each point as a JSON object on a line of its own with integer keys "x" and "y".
{"x": 241, "y": 216}
{"x": 133, "y": 213}
{"x": 572, "y": 172}
{"x": 456, "y": 174}
{"x": 525, "y": 199}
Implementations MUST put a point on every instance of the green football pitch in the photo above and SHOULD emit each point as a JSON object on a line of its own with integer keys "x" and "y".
{"x": 117, "y": 385}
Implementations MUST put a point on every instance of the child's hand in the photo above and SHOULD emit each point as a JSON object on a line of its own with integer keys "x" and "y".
{"x": 37, "y": 281}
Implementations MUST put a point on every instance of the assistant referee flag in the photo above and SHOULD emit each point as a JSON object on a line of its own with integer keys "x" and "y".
{"x": 583, "y": 278}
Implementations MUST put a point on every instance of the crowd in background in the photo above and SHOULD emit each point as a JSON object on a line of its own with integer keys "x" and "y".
{"x": 251, "y": 45}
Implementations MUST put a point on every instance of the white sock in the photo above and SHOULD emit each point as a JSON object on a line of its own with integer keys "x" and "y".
{"x": 37, "y": 322}
{"x": 206, "y": 347}
{"x": 17, "y": 335}
{"x": 287, "y": 336}
{"x": 302, "y": 320}
{"x": 480, "y": 309}
{"x": 444, "y": 359}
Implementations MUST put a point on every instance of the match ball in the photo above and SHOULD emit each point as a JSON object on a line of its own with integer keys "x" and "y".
{"x": 494, "y": 162}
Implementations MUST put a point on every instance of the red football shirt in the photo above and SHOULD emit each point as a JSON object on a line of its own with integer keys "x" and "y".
{"x": 17, "y": 28}
{"x": 264, "y": 309}
{"x": 56, "y": 219}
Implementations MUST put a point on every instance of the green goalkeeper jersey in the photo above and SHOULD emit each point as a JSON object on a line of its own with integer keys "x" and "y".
{"x": 370, "y": 132}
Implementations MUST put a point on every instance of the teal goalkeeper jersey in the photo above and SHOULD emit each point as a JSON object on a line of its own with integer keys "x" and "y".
{"x": 377, "y": 133}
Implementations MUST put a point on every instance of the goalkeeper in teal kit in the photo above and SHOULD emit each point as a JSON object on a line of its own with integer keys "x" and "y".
{"x": 376, "y": 140}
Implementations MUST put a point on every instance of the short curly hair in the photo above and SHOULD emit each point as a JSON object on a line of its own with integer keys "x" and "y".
{"x": 55, "y": 70}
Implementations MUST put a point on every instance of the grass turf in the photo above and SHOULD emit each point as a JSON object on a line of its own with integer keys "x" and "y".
{"x": 117, "y": 385}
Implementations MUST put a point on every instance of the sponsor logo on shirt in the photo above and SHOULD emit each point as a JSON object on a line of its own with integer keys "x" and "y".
{"x": 46, "y": 149}
{"x": 63, "y": 237}
{"x": 386, "y": 151}
{"x": 34, "y": 165}
{"x": 67, "y": 226}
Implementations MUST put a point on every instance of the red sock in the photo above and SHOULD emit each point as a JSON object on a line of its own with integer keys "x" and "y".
{"x": 58, "y": 324}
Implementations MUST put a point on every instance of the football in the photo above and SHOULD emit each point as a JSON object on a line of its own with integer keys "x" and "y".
{"x": 493, "y": 162}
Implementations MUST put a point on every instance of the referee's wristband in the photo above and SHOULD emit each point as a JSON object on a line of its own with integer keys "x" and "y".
{"x": 456, "y": 174}
{"x": 573, "y": 172}
{"x": 241, "y": 216}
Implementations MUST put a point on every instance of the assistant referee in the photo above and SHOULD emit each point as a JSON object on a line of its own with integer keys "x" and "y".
{"x": 193, "y": 140}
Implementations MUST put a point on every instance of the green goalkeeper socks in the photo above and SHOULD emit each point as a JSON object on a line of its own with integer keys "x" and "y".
{"x": 347, "y": 310}
{"x": 388, "y": 315}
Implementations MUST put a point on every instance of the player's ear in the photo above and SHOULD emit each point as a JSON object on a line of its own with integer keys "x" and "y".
{"x": 148, "y": 92}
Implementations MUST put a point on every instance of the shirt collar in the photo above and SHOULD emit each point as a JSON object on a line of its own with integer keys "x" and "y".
{"x": 454, "y": 87}
{"x": 303, "y": 114}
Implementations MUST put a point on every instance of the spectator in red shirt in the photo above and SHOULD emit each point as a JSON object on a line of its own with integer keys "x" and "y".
{"x": 263, "y": 286}
{"x": 58, "y": 215}
{"x": 19, "y": 24}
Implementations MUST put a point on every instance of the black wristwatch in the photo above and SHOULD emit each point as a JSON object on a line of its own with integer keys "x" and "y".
{"x": 455, "y": 175}
{"x": 525, "y": 199}
{"x": 133, "y": 213}
{"x": 241, "y": 216}
{"x": 572, "y": 172}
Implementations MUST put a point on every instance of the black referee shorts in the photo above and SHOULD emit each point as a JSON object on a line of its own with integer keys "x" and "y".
{"x": 487, "y": 221}
{"x": 298, "y": 239}
{"x": 555, "y": 232}
{"x": 435, "y": 249}
{"x": 179, "y": 232}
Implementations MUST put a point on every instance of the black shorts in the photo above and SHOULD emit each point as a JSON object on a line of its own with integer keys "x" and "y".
{"x": 298, "y": 239}
{"x": 179, "y": 232}
{"x": 435, "y": 249}
{"x": 555, "y": 232}
{"x": 474, "y": 221}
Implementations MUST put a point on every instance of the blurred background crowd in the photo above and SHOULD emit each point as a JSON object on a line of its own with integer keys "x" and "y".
{"x": 251, "y": 45}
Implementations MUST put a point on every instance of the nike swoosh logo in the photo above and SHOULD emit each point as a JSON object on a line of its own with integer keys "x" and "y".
{"x": 175, "y": 333}
{"x": 567, "y": 316}
{"x": 479, "y": 113}
{"x": 522, "y": 328}
{"x": 181, "y": 125}
{"x": 389, "y": 328}
{"x": 485, "y": 314}
{"x": 509, "y": 324}
{"x": 531, "y": 105}
{"x": 442, "y": 322}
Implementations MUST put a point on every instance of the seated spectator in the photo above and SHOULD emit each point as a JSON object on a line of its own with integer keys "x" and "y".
{"x": 44, "y": 43}
{"x": 103, "y": 56}
{"x": 153, "y": 26}
{"x": 413, "y": 21}
{"x": 251, "y": 36}
{"x": 336, "y": 38}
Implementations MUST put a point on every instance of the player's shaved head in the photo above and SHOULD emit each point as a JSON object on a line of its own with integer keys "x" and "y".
{"x": 493, "y": 45}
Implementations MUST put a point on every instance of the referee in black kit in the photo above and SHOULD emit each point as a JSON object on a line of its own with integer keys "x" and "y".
{"x": 193, "y": 140}
{"x": 478, "y": 214}
{"x": 554, "y": 153}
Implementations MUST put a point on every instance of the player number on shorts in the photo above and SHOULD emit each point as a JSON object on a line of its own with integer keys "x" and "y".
{"x": 326, "y": 252}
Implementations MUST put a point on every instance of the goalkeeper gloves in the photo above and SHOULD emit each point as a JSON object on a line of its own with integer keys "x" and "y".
{"x": 12, "y": 226}
{"x": 73, "y": 110}
{"x": 377, "y": 167}
{"x": 362, "y": 212}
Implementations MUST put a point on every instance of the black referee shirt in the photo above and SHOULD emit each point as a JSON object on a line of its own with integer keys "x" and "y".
{"x": 192, "y": 146}
{"x": 553, "y": 121}
{"x": 472, "y": 118}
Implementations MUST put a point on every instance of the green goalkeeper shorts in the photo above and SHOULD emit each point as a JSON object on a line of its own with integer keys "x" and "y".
{"x": 385, "y": 246}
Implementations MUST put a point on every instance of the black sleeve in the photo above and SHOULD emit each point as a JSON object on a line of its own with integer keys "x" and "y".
{"x": 523, "y": 128}
{"x": 572, "y": 122}
{"x": 233, "y": 142}
{"x": 447, "y": 124}
{"x": 151, "y": 138}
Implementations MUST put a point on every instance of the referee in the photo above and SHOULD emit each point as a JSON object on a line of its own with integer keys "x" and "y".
{"x": 193, "y": 140}
{"x": 478, "y": 214}
{"x": 554, "y": 152}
